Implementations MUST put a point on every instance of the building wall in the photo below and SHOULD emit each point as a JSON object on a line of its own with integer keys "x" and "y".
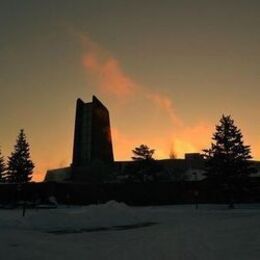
{"x": 101, "y": 149}
{"x": 92, "y": 136}
{"x": 82, "y": 134}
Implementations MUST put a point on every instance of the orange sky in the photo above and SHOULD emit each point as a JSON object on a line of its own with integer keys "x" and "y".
{"x": 114, "y": 84}
{"x": 166, "y": 71}
{"x": 161, "y": 127}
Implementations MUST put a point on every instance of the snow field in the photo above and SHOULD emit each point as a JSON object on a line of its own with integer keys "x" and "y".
{"x": 181, "y": 232}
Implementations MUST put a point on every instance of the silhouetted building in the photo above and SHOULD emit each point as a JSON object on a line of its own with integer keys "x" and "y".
{"x": 92, "y": 136}
{"x": 93, "y": 159}
{"x": 92, "y": 150}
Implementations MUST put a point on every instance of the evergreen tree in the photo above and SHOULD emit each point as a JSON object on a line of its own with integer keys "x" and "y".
{"x": 146, "y": 167}
{"x": 227, "y": 161}
{"x": 2, "y": 167}
{"x": 20, "y": 167}
{"x": 143, "y": 152}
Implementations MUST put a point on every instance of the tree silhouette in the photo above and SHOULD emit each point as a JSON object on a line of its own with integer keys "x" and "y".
{"x": 146, "y": 167}
{"x": 20, "y": 167}
{"x": 143, "y": 152}
{"x": 2, "y": 167}
{"x": 227, "y": 161}
{"x": 172, "y": 154}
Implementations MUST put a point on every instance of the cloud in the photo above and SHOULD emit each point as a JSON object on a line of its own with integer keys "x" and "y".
{"x": 110, "y": 77}
{"x": 113, "y": 81}
{"x": 165, "y": 103}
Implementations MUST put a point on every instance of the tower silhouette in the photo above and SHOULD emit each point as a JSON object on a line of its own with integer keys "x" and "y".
{"x": 92, "y": 136}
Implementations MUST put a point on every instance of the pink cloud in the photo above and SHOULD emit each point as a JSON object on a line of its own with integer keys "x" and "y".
{"x": 165, "y": 103}
{"x": 112, "y": 80}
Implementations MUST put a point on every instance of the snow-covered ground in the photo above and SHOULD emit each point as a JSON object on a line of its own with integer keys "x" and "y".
{"x": 114, "y": 231}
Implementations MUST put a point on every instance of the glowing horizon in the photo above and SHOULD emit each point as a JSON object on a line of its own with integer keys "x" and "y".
{"x": 165, "y": 71}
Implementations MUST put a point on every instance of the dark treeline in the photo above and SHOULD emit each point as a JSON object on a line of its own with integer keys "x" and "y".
{"x": 227, "y": 171}
{"x": 138, "y": 193}
{"x": 227, "y": 163}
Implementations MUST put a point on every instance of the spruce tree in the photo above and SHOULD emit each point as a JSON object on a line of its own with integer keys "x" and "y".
{"x": 143, "y": 152}
{"x": 146, "y": 167}
{"x": 20, "y": 167}
{"x": 2, "y": 167}
{"x": 227, "y": 161}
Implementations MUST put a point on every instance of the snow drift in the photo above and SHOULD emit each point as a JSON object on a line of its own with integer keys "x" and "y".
{"x": 71, "y": 219}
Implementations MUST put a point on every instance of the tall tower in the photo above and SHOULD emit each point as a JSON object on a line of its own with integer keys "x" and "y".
{"x": 92, "y": 136}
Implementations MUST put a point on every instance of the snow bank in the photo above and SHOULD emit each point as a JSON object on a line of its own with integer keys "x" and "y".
{"x": 89, "y": 217}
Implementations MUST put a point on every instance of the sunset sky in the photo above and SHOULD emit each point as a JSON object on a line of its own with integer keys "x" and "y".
{"x": 166, "y": 70}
